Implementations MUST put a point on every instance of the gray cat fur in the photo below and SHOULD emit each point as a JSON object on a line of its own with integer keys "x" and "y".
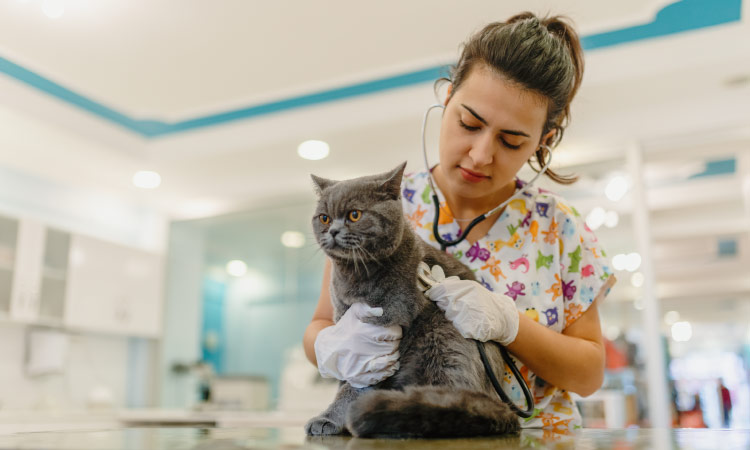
{"x": 440, "y": 389}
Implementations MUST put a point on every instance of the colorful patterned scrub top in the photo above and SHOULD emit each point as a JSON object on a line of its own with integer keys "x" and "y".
{"x": 541, "y": 254}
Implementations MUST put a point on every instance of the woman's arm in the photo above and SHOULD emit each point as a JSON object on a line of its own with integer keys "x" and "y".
{"x": 322, "y": 317}
{"x": 573, "y": 360}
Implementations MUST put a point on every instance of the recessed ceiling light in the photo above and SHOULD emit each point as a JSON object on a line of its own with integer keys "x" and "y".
{"x": 632, "y": 262}
{"x": 313, "y": 150}
{"x": 293, "y": 239}
{"x": 616, "y": 188}
{"x": 54, "y": 9}
{"x": 682, "y": 331}
{"x": 236, "y": 268}
{"x": 612, "y": 219}
{"x": 671, "y": 317}
{"x": 596, "y": 218}
{"x": 146, "y": 179}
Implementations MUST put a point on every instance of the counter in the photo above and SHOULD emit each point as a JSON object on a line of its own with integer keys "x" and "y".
{"x": 294, "y": 438}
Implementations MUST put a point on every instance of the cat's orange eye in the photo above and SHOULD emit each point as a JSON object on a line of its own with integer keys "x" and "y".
{"x": 325, "y": 220}
{"x": 355, "y": 215}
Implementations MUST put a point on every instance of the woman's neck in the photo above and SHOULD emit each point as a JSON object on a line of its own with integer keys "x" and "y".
{"x": 466, "y": 209}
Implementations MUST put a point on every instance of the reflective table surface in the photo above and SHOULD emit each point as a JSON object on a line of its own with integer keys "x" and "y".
{"x": 294, "y": 438}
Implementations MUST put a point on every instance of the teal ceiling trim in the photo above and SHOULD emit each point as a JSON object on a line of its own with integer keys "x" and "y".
{"x": 675, "y": 18}
{"x": 66, "y": 95}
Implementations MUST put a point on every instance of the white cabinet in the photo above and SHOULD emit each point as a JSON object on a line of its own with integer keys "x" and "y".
{"x": 52, "y": 277}
{"x": 36, "y": 268}
{"x": 8, "y": 240}
{"x": 113, "y": 289}
{"x": 27, "y": 274}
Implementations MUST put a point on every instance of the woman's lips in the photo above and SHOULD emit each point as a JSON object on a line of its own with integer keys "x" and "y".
{"x": 472, "y": 177}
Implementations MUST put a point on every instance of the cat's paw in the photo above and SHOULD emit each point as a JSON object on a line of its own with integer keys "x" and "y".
{"x": 381, "y": 321}
{"x": 322, "y": 426}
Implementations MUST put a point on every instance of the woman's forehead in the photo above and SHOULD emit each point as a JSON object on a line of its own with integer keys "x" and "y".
{"x": 501, "y": 102}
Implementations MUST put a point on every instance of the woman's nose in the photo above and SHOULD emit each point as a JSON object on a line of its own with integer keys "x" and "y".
{"x": 483, "y": 150}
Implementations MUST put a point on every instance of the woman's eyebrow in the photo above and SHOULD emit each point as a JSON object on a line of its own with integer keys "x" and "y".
{"x": 481, "y": 119}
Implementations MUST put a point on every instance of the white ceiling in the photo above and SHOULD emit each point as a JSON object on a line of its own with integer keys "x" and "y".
{"x": 173, "y": 61}
{"x": 177, "y": 59}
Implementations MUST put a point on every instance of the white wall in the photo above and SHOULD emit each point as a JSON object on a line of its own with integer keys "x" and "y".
{"x": 93, "y": 361}
{"x": 123, "y": 365}
{"x": 180, "y": 342}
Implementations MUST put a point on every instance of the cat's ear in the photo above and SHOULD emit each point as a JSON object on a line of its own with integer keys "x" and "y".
{"x": 321, "y": 183}
{"x": 392, "y": 184}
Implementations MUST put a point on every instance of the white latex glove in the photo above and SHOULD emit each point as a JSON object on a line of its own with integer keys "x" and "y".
{"x": 476, "y": 312}
{"x": 361, "y": 353}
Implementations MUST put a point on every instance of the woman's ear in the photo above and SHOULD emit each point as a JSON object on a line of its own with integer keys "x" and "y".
{"x": 448, "y": 94}
{"x": 548, "y": 138}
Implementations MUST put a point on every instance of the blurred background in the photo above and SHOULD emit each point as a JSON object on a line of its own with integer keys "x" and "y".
{"x": 156, "y": 259}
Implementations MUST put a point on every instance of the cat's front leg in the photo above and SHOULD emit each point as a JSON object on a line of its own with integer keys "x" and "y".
{"x": 332, "y": 420}
{"x": 399, "y": 308}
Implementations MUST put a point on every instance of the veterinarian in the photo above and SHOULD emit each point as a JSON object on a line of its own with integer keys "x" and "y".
{"x": 542, "y": 272}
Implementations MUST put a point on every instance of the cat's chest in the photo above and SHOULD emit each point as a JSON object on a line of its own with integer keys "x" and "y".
{"x": 348, "y": 288}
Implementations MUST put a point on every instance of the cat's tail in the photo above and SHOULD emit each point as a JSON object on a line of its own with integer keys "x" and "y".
{"x": 429, "y": 412}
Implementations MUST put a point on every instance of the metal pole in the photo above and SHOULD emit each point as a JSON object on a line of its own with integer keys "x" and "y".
{"x": 659, "y": 401}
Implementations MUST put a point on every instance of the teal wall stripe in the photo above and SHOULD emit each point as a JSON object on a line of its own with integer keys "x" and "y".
{"x": 675, "y": 18}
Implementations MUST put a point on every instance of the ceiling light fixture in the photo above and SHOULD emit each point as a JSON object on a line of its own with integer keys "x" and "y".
{"x": 617, "y": 188}
{"x": 313, "y": 150}
{"x": 292, "y": 239}
{"x": 671, "y": 317}
{"x": 146, "y": 179}
{"x": 53, "y": 9}
{"x": 682, "y": 331}
{"x": 596, "y": 218}
{"x": 236, "y": 268}
{"x": 612, "y": 219}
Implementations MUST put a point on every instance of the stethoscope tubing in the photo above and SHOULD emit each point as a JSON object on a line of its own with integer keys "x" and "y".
{"x": 445, "y": 243}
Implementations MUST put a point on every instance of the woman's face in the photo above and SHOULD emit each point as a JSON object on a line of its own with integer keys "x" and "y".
{"x": 489, "y": 129}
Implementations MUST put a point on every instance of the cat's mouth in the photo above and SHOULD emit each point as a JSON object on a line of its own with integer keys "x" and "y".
{"x": 342, "y": 246}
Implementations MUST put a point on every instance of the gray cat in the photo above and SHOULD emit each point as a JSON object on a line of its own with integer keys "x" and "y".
{"x": 440, "y": 389}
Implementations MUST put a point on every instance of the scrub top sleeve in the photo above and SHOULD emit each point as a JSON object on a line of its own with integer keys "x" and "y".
{"x": 585, "y": 271}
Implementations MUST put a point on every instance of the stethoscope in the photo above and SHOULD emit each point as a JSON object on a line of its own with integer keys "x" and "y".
{"x": 448, "y": 243}
{"x": 444, "y": 243}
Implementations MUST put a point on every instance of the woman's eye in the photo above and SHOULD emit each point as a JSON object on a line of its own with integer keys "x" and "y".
{"x": 325, "y": 220}
{"x": 509, "y": 145}
{"x": 468, "y": 127}
{"x": 355, "y": 215}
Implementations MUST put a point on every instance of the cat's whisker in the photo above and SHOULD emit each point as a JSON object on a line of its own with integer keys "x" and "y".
{"x": 370, "y": 256}
{"x": 364, "y": 263}
{"x": 354, "y": 261}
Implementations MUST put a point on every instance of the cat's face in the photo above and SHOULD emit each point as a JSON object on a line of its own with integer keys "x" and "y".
{"x": 359, "y": 219}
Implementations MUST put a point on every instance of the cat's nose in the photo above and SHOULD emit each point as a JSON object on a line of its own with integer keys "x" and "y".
{"x": 333, "y": 232}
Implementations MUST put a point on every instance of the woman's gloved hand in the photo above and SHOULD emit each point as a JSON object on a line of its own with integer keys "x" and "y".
{"x": 475, "y": 311}
{"x": 360, "y": 353}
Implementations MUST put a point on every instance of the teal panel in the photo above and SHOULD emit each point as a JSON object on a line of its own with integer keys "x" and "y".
{"x": 717, "y": 167}
{"x": 213, "y": 324}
